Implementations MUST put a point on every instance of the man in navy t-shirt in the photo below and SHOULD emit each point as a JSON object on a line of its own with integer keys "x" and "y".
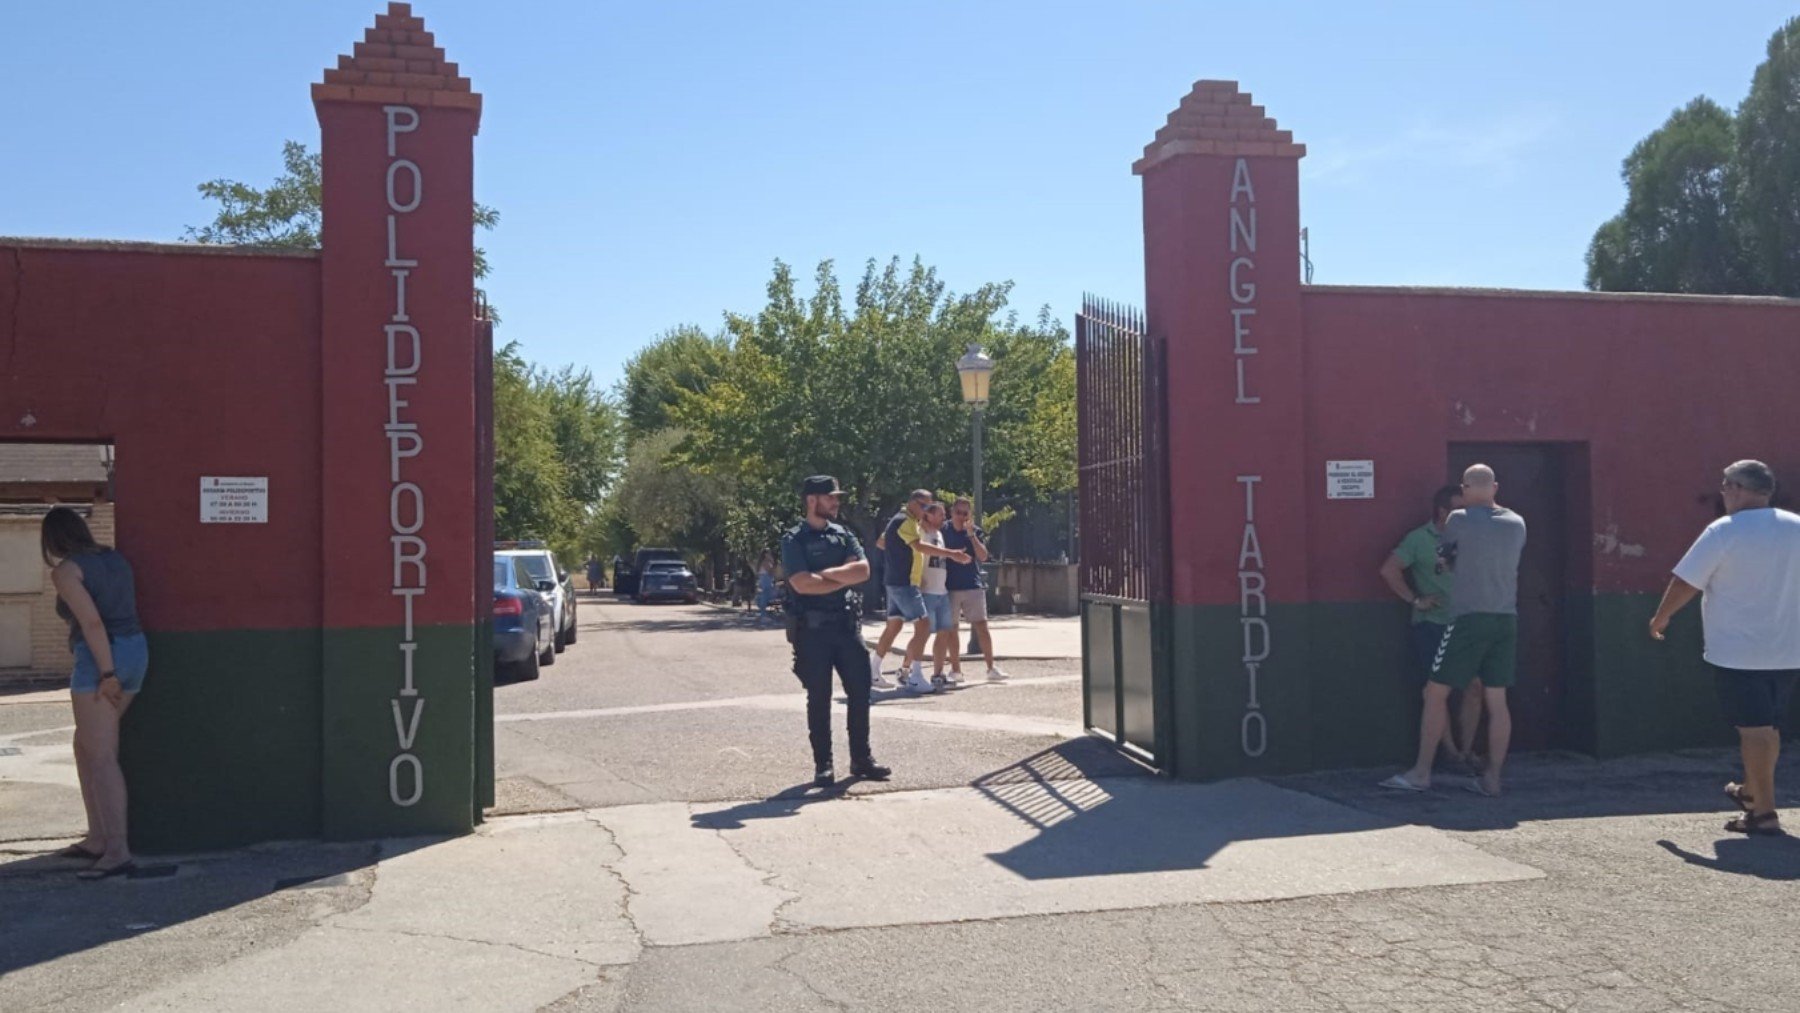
{"x": 968, "y": 596}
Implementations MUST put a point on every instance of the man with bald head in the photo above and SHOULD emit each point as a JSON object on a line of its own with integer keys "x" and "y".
{"x": 1481, "y": 545}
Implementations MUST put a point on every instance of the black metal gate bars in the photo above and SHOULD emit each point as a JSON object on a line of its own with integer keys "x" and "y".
{"x": 1122, "y": 455}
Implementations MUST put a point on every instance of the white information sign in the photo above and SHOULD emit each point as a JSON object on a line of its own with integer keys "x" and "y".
{"x": 1349, "y": 479}
{"x": 226, "y": 500}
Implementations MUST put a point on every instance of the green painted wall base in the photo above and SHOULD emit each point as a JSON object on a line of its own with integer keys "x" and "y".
{"x": 365, "y": 717}
{"x": 246, "y": 736}
{"x": 1338, "y": 690}
{"x": 222, "y": 747}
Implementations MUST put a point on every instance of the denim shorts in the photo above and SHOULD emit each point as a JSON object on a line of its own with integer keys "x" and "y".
{"x": 131, "y": 659}
{"x": 937, "y": 609}
{"x": 905, "y": 602}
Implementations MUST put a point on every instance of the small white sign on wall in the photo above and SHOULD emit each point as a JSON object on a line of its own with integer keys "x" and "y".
{"x": 1349, "y": 479}
{"x": 227, "y": 500}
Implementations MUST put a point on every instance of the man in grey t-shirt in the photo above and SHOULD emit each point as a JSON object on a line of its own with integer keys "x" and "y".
{"x": 1481, "y": 546}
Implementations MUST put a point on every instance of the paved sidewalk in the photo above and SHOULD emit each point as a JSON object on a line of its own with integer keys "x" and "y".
{"x": 530, "y": 910}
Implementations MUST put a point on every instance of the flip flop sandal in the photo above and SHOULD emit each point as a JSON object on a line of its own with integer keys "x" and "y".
{"x": 1399, "y": 783}
{"x": 77, "y": 851}
{"x": 94, "y": 875}
{"x": 1478, "y": 788}
{"x": 1739, "y": 794}
{"x": 1765, "y": 825}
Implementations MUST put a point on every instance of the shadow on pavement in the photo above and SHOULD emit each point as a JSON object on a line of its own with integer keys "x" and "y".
{"x": 1552, "y": 786}
{"x": 1776, "y": 858}
{"x": 784, "y": 803}
{"x": 50, "y": 914}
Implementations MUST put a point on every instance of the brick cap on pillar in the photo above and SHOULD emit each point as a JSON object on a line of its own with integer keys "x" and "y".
{"x": 1218, "y": 119}
{"x": 398, "y": 62}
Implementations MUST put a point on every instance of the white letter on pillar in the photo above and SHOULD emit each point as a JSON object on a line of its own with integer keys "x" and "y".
{"x": 394, "y": 368}
{"x": 418, "y": 185}
{"x": 403, "y": 559}
{"x": 1249, "y": 484}
{"x": 396, "y": 128}
{"x": 1252, "y": 584}
{"x": 1239, "y": 331}
{"x": 1242, "y": 291}
{"x": 1240, "y": 182}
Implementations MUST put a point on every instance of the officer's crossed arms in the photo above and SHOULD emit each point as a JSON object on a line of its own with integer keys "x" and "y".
{"x": 835, "y": 579}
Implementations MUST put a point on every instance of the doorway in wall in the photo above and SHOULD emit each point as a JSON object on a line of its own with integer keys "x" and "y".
{"x": 1546, "y": 483}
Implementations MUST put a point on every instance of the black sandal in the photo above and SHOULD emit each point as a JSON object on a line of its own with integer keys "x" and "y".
{"x": 1739, "y": 794}
{"x": 77, "y": 851}
{"x": 97, "y": 873}
{"x": 1757, "y": 825}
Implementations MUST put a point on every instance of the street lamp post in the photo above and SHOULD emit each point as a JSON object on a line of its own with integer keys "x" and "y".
{"x": 975, "y": 369}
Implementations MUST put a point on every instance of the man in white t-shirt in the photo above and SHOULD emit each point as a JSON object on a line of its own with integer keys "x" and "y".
{"x": 1747, "y": 565}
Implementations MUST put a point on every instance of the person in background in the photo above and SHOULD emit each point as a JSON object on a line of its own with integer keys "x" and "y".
{"x": 97, "y": 595}
{"x": 904, "y": 605}
{"x": 1747, "y": 566}
{"x": 931, "y": 573}
{"x": 595, "y": 575}
{"x": 765, "y": 584}
{"x": 968, "y": 595}
{"x": 1419, "y": 576}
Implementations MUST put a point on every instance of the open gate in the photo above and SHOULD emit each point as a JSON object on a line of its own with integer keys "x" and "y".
{"x": 1123, "y": 460}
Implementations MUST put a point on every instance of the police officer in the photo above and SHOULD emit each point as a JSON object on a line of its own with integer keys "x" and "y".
{"x": 823, "y": 561}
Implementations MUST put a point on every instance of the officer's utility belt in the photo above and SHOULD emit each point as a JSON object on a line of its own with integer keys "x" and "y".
{"x": 833, "y": 619}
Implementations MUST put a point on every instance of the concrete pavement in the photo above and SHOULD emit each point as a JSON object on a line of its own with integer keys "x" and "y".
{"x": 1009, "y": 866}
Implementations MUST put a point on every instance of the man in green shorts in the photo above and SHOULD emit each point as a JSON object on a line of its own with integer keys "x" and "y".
{"x": 1481, "y": 545}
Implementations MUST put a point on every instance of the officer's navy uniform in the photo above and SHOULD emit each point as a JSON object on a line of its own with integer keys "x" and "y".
{"x": 826, "y": 634}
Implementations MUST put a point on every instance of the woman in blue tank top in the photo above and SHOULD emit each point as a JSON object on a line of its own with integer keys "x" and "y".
{"x": 96, "y": 595}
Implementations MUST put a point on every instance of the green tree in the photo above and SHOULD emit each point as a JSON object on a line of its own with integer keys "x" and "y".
{"x": 285, "y": 213}
{"x": 685, "y": 358}
{"x": 866, "y": 391}
{"x": 530, "y": 477}
{"x": 1768, "y": 165}
{"x": 1678, "y": 230}
{"x": 666, "y": 501}
{"x": 1713, "y": 200}
{"x": 288, "y": 211}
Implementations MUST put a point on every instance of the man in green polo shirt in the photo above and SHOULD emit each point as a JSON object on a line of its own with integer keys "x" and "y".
{"x": 1418, "y": 576}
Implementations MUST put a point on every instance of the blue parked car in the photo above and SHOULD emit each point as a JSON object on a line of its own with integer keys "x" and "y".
{"x": 524, "y": 624}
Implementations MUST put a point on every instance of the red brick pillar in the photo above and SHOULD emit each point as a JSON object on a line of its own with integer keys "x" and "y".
{"x": 1222, "y": 276}
{"x": 400, "y": 456}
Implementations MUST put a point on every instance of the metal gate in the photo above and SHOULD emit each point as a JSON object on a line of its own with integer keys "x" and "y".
{"x": 1123, "y": 458}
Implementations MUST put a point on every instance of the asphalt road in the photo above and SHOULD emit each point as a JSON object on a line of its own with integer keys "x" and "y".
{"x": 691, "y": 703}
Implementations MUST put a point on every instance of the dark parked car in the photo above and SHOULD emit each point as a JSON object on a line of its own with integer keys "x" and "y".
{"x": 668, "y": 580}
{"x": 524, "y": 634}
{"x": 627, "y": 576}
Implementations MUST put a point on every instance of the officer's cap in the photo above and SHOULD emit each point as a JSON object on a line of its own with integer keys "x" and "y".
{"x": 820, "y": 485}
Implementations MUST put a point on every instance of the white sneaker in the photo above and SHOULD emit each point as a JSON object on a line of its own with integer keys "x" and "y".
{"x": 876, "y": 680}
{"x": 953, "y": 678}
{"x": 916, "y": 682}
{"x": 995, "y": 675}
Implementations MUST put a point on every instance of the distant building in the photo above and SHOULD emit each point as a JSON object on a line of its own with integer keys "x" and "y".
{"x": 33, "y": 478}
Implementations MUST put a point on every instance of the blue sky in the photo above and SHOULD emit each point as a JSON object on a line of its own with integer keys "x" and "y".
{"x": 651, "y": 160}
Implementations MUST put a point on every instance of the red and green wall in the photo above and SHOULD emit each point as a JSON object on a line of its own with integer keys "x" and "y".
{"x": 278, "y": 703}
{"x": 1283, "y": 650}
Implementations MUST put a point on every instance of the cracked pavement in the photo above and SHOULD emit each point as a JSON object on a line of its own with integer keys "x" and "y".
{"x": 653, "y": 851}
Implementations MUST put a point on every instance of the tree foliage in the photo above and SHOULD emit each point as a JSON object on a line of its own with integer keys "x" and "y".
{"x": 866, "y": 389}
{"x": 1768, "y": 165}
{"x": 289, "y": 211}
{"x": 556, "y": 441}
{"x": 682, "y": 359}
{"x": 1713, "y": 199}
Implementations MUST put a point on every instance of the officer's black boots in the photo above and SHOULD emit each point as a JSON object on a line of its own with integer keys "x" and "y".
{"x": 867, "y": 769}
{"x": 823, "y": 776}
